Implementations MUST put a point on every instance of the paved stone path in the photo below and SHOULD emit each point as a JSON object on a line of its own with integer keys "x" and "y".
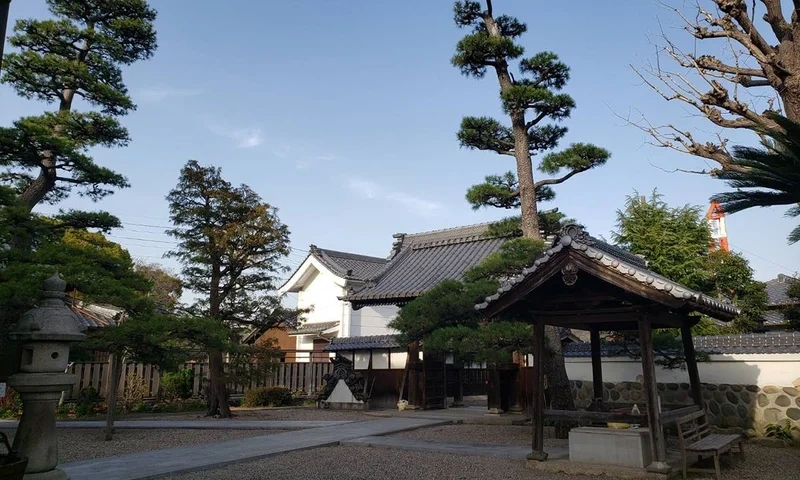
{"x": 219, "y": 424}
{"x": 157, "y": 463}
{"x": 503, "y": 451}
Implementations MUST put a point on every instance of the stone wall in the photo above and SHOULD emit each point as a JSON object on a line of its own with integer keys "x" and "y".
{"x": 742, "y": 406}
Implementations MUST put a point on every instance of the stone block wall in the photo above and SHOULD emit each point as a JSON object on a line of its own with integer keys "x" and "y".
{"x": 742, "y": 406}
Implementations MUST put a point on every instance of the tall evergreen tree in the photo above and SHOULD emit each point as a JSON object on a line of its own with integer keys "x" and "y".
{"x": 768, "y": 176}
{"x": 676, "y": 242}
{"x": 76, "y": 54}
{"x": 530, "y": 100}
{"x": 230, "y": 244}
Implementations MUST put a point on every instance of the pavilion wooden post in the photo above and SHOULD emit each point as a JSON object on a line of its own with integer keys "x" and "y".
{"x": 691, "y": 364}
{"x": 658, "y": 446}
{"x": 597, "y": 368}
{"x": 537, "y": 417}
{"x": 493, "y": 390}
{"x": 458, "y": 396}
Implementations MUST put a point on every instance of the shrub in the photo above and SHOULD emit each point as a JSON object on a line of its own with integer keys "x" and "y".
{"x": 190, "y": 405}
{"x": 268, "y": 397}
{"x": 11, "y": 404}
{"x": 178, "y": 385}
{"x": 134, "y": 392}
{"x": 781, "y": 432}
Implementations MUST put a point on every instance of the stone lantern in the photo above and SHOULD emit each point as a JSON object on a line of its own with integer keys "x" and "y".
{"x": 44, "y": 333}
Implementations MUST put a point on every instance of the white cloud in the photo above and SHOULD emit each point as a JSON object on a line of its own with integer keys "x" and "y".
{"x": 371, "y": 190}
{"x": 244, "y": 137}
{"x": 365, "y": 188}
{"x": 158, "y": 94}
{"x": 247, "y": 137}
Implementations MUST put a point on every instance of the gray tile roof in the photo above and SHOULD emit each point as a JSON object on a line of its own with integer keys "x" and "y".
{"x": 363, "y": 343}
{"x": 777, "y": 289}
{"x": 575, "y": 239}
{"x": 313, "y": 328}
{"x": 349, "y": 265}
{"x": 778, "y": 342}
{"x": 751, "y": 343}
{"x": 774, "y": 318}
{"x": 97, "y": 316}
{"x": 422, "y": 260}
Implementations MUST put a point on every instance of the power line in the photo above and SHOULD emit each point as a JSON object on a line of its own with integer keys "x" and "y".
{"x": 786, "y": 269}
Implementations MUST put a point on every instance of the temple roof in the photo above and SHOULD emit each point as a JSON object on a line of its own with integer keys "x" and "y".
{"x": 420, "y": 261}
{"x": 575, "y": 241}
{"x": 349, "y": 265}
{"x": 749, "y": 343}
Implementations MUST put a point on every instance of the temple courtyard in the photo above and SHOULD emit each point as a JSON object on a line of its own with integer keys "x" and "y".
{"x": 278, "y": 443}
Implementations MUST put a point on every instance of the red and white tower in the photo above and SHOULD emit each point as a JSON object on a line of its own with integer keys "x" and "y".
{"x": 719, "y": 232}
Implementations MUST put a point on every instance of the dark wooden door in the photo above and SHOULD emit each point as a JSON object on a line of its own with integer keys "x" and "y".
{"x": 435, "y": 373}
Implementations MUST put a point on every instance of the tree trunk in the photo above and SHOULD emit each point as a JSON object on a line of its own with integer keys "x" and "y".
{"x": 116, "y": 362}
{"x": 217, "y": 391}
{"x": 559, "y": 391}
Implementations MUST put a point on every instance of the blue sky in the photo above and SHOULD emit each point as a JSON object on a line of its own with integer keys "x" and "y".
{"x": 343, "y": 115}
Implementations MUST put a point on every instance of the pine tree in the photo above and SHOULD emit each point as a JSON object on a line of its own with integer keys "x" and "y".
{"x": 529, "y": 101}
{"x": 230, "y": 243}
{"x": 77, "y": 54}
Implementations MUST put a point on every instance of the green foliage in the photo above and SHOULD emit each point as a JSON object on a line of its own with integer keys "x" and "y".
{"x": 676, "y": 242}
{"x": 76, "y": 53}
{"x": 268, "y": 397}
{"x": 781, "y": 432}
{"x": 494, "y": 342}
{"x": 514, "y": 255}
{"x": 166, "y": 288}
{"x": 230, "y": 244}
{"x": 768, "y": 176}
{"x": 450, "y": 303}
{"x": 535, "y": 92}
{"x": 177, "y": 385}
{"x": 187, "y": 405}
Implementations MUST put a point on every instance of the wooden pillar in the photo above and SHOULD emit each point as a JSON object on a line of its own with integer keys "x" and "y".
{"x": 493, "y": 390}
{"x": 597, "y": 368}
{"x": 691, "y": 364}
{"x": 537, "y": 417}
{"x": 458, "y": 397}
{"x": 413, "y": 376}
{"x": 658, "y": 446}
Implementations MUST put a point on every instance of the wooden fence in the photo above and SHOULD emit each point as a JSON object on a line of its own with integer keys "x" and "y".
{"x": 306, "y": 377}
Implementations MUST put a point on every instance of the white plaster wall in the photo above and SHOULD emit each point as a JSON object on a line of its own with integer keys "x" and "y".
{"x": 322, "y": 293}
{"x": 304, "y": 342}
{"x": 372, "y": 320}
{"x": 750, "y": 369}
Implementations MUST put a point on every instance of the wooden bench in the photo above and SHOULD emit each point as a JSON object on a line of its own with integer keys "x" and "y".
{"x": 694, "y": 434}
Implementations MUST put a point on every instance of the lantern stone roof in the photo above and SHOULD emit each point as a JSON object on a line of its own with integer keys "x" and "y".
{"x": 608, "y": 259}
{"x": 418, "y": 262}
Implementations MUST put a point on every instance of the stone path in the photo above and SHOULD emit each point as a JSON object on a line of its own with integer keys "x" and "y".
{"x": 503, "y": 451}
{"x": 219, "y": 424}
{"x": 158, "y": 463}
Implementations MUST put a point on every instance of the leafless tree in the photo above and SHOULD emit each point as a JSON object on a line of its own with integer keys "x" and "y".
{"x": 755, "y": 70}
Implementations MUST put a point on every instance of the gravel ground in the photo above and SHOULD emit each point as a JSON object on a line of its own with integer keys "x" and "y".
{"x": 368, "y": 463}
{"x": 489, "y": 434}
{"x": 83, "y": 444}
{"x": 303, "y": 413}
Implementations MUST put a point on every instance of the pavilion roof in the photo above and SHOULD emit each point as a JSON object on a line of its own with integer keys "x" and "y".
{"x": 617, "y": 264}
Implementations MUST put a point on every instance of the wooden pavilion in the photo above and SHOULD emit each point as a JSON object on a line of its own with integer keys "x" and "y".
{"x": 585, "y": 283}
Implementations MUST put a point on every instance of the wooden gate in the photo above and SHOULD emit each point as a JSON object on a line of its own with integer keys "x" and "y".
{"x": 435, "y": 373}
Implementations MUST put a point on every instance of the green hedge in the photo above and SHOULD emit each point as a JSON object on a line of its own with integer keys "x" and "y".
{"x": 268, "y": 397}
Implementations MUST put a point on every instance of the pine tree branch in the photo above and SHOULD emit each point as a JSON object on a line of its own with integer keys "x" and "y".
{"x": 562, "y": 179}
